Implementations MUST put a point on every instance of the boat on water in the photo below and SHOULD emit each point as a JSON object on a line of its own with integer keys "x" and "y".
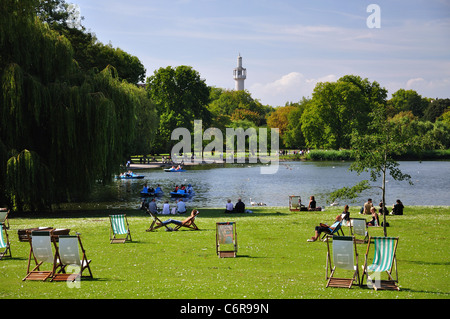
{"x": 189, "y": 191}
{"x": 149, "y": 194}
{"x": 175, "y": 169}
{"x": 129, "y": 175}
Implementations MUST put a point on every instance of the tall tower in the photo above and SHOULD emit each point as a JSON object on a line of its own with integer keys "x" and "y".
{"x": 239, "y": 74}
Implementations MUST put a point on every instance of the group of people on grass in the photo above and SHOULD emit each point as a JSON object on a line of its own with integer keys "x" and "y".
{"x": 367, "y": 209}
{"x": 179, "y": 208}
{"x": 238, "y": 208}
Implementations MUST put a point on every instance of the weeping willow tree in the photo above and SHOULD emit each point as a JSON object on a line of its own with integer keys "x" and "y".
{"x": 61, "y": 129}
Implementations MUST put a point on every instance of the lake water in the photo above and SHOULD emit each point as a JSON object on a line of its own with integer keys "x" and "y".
{"x": 214, "y": 185}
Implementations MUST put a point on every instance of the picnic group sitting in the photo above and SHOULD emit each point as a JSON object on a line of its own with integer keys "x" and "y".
{"x": 180, "y": 208}
{"x": 238, "y": 208}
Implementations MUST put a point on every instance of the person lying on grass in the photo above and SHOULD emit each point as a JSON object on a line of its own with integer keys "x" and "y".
{"x": 325, "y": 228}
{"x": 187, "y": 222}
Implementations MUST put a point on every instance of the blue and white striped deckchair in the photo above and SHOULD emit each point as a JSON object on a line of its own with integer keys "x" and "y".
{"x": 345, "y": 257}
{"x": 384, "y": 260}
{"x": 4, "y": 243}
{"x": 119, "y": 226}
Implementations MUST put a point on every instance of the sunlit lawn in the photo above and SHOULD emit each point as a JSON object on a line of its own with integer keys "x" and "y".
{"x": 274, "y": 259}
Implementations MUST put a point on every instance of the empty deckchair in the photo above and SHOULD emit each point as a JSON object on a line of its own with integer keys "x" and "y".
{"x": 384, "y": 261}
{"x": 4, "y": 212}
{"x": 41, "y": 251}
{"x": 119, "y": 226}
{"x": 226, "y": 239}
{"x": 345, "y": 258}
{"x": 156, "y": 223}
{"x": 358, "y": 227}
{"x": 189, "y": 222}
{"x": 4, "y": 243}
{"x": 69, "y": 253}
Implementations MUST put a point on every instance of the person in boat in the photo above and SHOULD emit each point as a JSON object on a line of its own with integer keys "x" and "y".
{"x": 229, "y": 207}
{"x": 183, "y": 188}
{"x": 239, "y": 207}
{"x": 145, "y": 189}
{"x": 178, "y": 167}
{"x": 176, "y": 188}
{"x": 190, "y": 189}
{"x": 325, "y": 228}
{"x": 158, "y": 189}
{"x": 151, "y": 190}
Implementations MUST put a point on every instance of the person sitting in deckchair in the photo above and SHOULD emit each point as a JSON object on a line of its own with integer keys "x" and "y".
{"x": 187, "y": 222}
{"x": 325, "y": 228}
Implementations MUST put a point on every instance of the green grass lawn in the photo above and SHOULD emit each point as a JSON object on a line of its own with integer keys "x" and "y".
{"x": 274, "y": 259}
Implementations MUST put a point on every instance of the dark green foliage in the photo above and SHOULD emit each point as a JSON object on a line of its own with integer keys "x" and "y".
{"x": 62, "y": 129}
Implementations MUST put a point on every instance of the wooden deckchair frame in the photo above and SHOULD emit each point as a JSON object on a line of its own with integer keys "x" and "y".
{"x": 112, "y": 235}
{"x": 36, "y": 273}
{"x": 232, "y": 234}
{"x": 333, "y": 281}
{"x": 392, "y": 282}
{"x": 5, "y": 220}
{"x": 188, "y": 223}
{"x": 6, "y": 242}
{"x": 294, "y": 203}
{"x": 84, "y": 263}
{"x": 156, "y": 223}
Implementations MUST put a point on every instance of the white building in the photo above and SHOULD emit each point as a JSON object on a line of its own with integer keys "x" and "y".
{"x": 239, "y": 74}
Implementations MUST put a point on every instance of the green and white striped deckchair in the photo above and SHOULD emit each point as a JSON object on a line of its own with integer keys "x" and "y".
{"x": 384, "y": 260}
{"x": 4, "y": 243}
{"x": 4, "y": 212}
{"x": 345, "y": 258}
{"x": 119, "y": 226}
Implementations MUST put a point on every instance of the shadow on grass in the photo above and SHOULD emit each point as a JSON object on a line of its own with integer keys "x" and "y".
{"x": 104, "y": 213}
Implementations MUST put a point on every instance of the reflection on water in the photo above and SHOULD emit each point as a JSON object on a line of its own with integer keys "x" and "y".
{"x": 213, "y": 186}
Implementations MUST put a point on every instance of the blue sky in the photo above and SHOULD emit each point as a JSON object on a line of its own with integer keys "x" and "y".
{"x": 287, "y": 46}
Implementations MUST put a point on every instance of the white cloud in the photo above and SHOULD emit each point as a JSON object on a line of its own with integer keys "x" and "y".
{"x": 289, "y": 88}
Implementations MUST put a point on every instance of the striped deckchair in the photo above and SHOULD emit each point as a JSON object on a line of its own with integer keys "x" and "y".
{"x": 119, "y": 226}
{"x": 4, "y": 212}
{"x": 345, "y": 258}
{"x": 41, "y": 251}
{"x": 384, "y": 261}
{"x": 4, "y": 243}
{"x": 69, "y": 252}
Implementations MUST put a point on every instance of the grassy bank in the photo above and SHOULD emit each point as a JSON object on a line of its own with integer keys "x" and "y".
{"x": 274, "y": 259}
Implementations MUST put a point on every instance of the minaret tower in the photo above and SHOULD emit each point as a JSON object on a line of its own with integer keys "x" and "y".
{"x": 239, "y": 74}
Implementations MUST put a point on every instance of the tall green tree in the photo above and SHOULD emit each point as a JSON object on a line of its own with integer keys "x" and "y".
{"x": 337, "y": 109}
{"x": 181, "y": 97}
{"x": 61, "y": 129}
{"x": 375, "y": 152}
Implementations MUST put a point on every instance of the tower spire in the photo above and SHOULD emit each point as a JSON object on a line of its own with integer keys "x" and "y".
{"x": 239, "y": 74}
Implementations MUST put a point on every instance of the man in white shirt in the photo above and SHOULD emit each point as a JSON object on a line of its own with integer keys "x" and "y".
{"x": 181, "y": 206}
